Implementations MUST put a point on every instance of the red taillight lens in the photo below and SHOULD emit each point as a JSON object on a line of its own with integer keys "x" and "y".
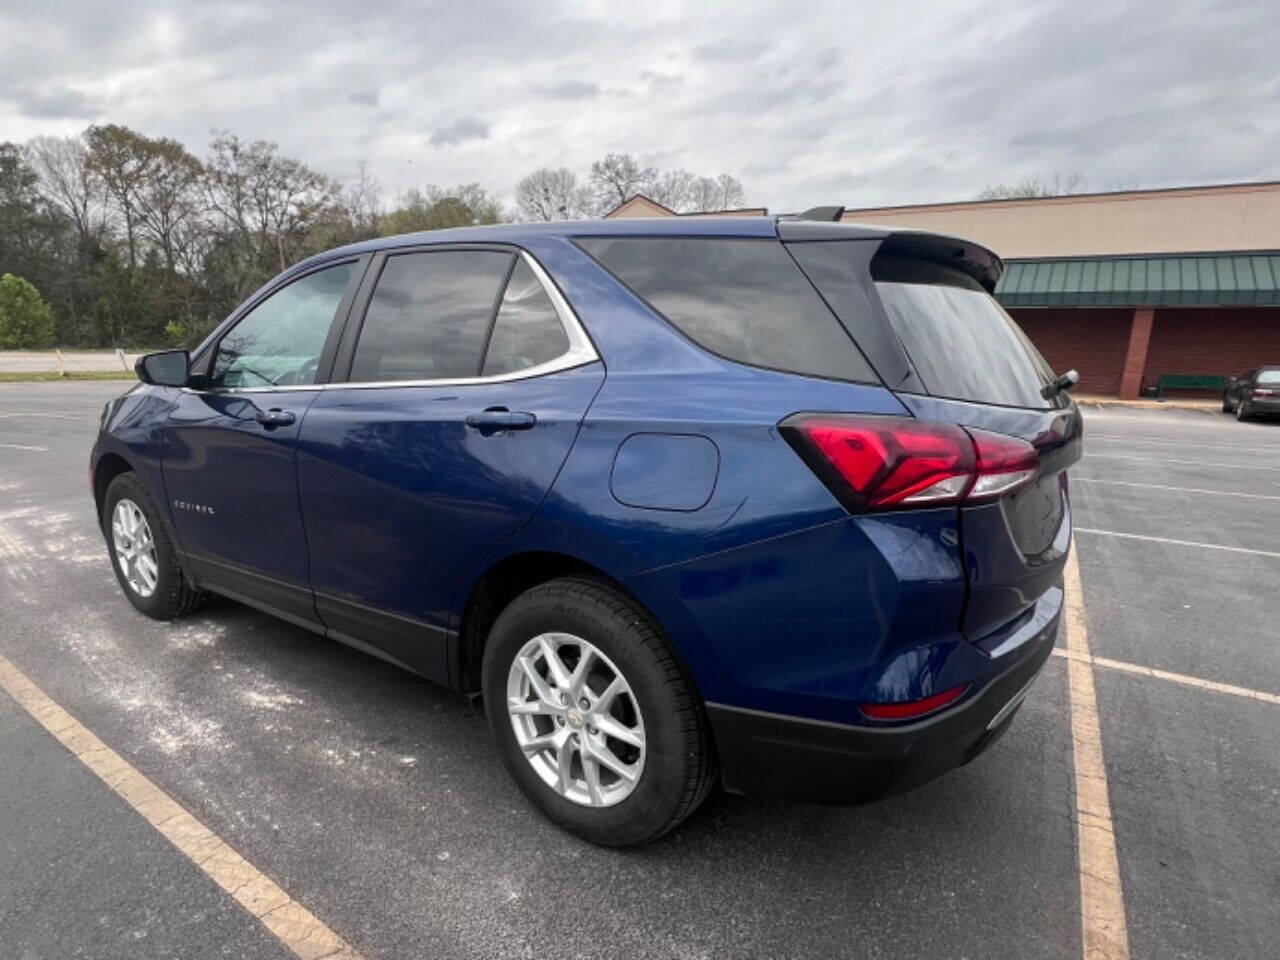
{"x": 877, "y": 463}
{"x": 911, "y": 709}
{"x": 887, "y": 461}
{"x": 1004, "y": 463}
{"x": 1263, "y": 392}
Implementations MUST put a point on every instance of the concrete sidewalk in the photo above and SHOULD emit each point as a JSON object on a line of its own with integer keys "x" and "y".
{"x": 1208, "y": 405}
{"x": 46, "y": 361}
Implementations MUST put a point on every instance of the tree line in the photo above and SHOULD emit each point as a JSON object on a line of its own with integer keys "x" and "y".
{"x": 114, "y": 238}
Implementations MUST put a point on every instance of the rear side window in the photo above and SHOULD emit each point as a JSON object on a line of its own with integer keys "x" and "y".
{"x": 527, "y": 331}
{"x": 430, "y": 315}
{"x": 961, "y": 342}
{"x": 1268, "y": 377}
{"x": 745, "y": 300}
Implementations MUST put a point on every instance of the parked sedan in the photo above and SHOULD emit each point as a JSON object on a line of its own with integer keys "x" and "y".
{"x": 775, "y": 503}
{"x": 1254, "y": 393}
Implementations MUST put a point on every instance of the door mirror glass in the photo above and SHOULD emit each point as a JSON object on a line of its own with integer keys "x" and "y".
{"x": 168, "y": 368}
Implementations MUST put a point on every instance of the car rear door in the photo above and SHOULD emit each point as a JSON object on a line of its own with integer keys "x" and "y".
{"x": 466, "y": 378}
{"x": 231, "y": 442}
{"x": 950, "y": 353}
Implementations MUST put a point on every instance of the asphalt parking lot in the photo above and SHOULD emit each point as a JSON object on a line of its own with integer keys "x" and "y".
{"x": 375, "y": 800}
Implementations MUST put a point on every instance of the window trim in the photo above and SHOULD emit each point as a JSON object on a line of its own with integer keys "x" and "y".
{"x": 581, "y": 350}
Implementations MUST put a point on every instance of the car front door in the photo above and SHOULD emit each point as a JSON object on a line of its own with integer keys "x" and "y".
{"x": 468, "y": 379}
{"x": 230, "y": 460}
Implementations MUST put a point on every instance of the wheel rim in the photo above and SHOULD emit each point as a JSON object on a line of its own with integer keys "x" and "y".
{"x": 135, "y": 548}
{"x": 576, "y": 719}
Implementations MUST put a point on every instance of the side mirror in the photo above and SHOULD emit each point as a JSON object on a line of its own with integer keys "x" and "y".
{"x": 168, "y": 368}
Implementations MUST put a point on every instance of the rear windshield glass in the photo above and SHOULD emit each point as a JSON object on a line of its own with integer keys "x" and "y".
{"x": 1268, "y": 377}
{"x": 745, "y": 300}
{"x": 961, "y": 342}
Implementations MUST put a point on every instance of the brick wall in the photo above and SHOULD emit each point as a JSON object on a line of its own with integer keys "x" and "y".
{"x": 1214, "y": 340}
{"x": 1090, "y": 340}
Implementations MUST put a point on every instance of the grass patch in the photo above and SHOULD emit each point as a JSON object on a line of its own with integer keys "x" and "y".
{"x": 39, "y": 376}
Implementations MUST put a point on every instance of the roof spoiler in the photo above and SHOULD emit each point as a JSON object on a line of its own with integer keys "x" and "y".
{"x": 826, "y": 214}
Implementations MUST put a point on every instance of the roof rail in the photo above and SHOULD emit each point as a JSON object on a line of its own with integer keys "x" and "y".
{"x": 828, "y": 214}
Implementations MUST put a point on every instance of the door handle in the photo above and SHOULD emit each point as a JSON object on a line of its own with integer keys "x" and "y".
{"x": 493, "y": 419}
{"x": 275, "y": 417}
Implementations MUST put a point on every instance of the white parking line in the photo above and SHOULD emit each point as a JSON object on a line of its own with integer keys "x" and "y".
{"x": 295, "y": 926}
{"x": 19, "y": 446}
{"x": 1195, "y": 463}
{"x": 1180, "y": 543}
{"x": 1181, "y": 678}
{"x": 1183, "y": 442}
{"x": 1104, "y": 932}
{"x": 1162, "y": 486}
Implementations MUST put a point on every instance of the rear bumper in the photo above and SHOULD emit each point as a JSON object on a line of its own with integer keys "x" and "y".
{"x": 1263, "y": 405}
{"x": 774, "y": 755}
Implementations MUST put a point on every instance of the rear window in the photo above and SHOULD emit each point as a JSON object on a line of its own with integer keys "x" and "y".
{"x": 745, "y": 300}
{"x": 1269, "y": 377}
{"x": 961, "y": 342}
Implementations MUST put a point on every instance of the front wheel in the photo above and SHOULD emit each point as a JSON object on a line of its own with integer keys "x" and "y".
{"x": 142, "y": 553}
{"x": 595, "y": 718}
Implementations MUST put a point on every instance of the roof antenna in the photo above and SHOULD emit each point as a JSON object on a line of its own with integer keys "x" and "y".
{"x": 831, "y": 214}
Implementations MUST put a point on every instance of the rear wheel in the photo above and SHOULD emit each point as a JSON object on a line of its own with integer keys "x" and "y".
{"x": 595, "y": 718}
{"x": 142, "y": 553}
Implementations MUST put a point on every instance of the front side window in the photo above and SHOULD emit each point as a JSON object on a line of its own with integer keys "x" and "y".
{"x": 743, "y": 299}
{"x": 430, "y": 316}
{"x": 278, "y": 343}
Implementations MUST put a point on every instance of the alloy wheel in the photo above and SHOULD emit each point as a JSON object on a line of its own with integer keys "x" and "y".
{"x": 576, "y": 719}
{"x": 135, "y": 547}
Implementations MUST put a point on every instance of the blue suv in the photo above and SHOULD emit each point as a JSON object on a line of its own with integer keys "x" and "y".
{"x": 779, "y": 503}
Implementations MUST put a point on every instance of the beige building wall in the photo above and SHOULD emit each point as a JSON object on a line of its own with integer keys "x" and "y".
{"x": 1183, "y": 220}
{"x": 641, "y": 207}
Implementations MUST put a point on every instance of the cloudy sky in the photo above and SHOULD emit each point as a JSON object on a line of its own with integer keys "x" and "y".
{"x": 849, "y": 102}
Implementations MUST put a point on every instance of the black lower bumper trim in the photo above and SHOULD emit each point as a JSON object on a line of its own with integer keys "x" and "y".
{"x": 773, "y": 755}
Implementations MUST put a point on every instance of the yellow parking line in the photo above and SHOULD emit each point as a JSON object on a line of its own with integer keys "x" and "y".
{"x": 1172, "y": 677}
{"x": 292, "y": 924}
{"x": 1104, "y": 933}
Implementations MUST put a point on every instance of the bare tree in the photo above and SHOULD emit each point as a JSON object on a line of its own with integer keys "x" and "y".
{"x": 69, "y": 183}
{"x": 716, "y": 193}
{"x": 673, "y": 189}
{"x": 166, "y": 199}
{"x": 617, "y": 178}
{"x": 268, "y": 203}
{"x": 552, "y": 194}
{"x": 1056, "y": 186}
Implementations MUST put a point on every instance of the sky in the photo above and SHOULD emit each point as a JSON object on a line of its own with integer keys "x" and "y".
{"x": 807, "y": 103}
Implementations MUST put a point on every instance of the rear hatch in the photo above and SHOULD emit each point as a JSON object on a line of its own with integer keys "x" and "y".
{"x": 921, "y": 307}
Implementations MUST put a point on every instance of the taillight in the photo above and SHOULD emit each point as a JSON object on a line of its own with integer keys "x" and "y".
{"x": 911, "y": 709}
{"x": 1263, "y": 392}
{"x": 879, "y": 463}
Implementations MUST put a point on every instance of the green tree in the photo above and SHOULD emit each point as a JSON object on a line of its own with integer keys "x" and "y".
{"x": 434, "y": 208}
{"x": 25, "y": 319}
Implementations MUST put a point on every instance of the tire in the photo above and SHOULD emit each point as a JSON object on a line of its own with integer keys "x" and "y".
{"x": 675, "y": 761}
{"x": 170, "y": 595}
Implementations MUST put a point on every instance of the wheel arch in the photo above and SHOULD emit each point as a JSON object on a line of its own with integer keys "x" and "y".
{"x": 512, "y": 574}
{"x": 107, "y": 467}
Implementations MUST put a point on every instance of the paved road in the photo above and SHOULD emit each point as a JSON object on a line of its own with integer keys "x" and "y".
{"x": 376, "y": 801}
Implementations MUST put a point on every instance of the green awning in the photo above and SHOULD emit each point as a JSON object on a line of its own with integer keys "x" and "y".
{"x": 1202, "y": 280}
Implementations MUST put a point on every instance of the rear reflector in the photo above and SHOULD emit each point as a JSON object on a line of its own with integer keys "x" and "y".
{"x": 884, "y": 463}
{"x": 911, "y": 709}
